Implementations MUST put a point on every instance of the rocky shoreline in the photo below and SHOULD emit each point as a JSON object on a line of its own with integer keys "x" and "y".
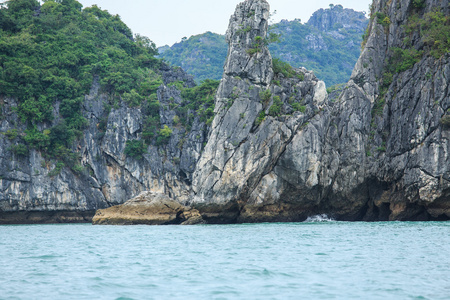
{"x": 278, "y": 149}
{"x": 148, "y": 208}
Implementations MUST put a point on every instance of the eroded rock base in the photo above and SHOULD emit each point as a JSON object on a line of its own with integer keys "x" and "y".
{"x": 148, "y": 208}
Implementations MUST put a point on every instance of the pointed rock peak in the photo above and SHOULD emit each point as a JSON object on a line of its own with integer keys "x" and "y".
{"x": 248, "y": 55}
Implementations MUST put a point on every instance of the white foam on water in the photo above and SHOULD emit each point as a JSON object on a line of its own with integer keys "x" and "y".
{"x": 319, "y": 218}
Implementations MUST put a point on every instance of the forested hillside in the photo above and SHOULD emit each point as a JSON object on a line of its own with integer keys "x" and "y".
{"x": 89, "y": 117}
{"x": 51, "y": 54}
{"x": 329, "y": 44}
{"x": 201, "y": 55}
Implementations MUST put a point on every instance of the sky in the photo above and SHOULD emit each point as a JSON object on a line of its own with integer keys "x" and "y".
{"x": 166, "y": 22}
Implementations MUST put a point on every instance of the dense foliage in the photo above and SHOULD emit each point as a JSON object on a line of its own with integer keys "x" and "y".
{"x": 330, "y": 52}
{"x": 201, "y": 55}
{"x": 199, "y": 99}
{"x": 275, "y": 108}
{"x": 135, "y": 149}
{"x": 281, "y": 67}
{"x": 52, "y": 53}
{"x": 434, "y": 30}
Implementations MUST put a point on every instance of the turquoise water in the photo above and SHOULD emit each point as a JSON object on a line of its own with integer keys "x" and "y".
{"x": 327, "y": 260}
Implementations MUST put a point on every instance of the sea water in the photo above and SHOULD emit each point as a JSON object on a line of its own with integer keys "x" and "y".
{"x": 313, "y": 260}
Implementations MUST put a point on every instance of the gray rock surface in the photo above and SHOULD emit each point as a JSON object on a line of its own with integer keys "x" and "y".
{"x": 337, "y": 17}
{"x": 278, "y": 149}
{"x": 240, "y": 153}
{"x": 148, "y": 208}
{"x": 109, "y": 177}
{"x": 340, "y": 157}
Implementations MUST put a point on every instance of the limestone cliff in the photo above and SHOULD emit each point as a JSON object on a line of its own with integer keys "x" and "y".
{"x": 247, "y": 137}
{"x": 278, "y": 149}
{"x": 31, "y": 191}
{"x": 379, "y": 153}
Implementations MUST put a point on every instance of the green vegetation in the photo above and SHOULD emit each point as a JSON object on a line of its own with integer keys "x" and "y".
{"x": 418, "y": 3}
{"x": 281, "y": 67}
{"x": 335, "y": 87}
{"x": 265, "y": 95}
{"x": 201, "y": 55}
{"x": 387, "y": 79}
{"x": 335, "y": 61}
{"x": 298, "y": 107}
{"x": 58, "y": 167}
{"x": 403, "y": 59}
{"x": 381, "y": 148}
{"x": 19, "y": 150}
{"x": 261, "y": 118}
{"x": 263, "y": 41}
{"x": 53, "y": 55}
{"x": 164, "y": 135}
{"x": 365, "y": 37}
{"x": 151, "y": 122}
{"x": 200, "y": 99}
{"x": 204, "y": 55}
{"x": 378, "y": 106}
{"x": 135, "y": 149}
{"x": 11, "y": 134}
{"x": 257, "y": 46}
{"x": 383, "y": 19}
{"x": 244, "y": 30}
{"x": 434, "y": 29}
{"x": 275, "y": 109}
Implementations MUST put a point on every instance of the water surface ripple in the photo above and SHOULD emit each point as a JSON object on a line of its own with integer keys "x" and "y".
{"x": 327, "y": 260}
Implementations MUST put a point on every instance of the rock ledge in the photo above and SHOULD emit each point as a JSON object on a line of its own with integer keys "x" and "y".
{"x": 148, "y": 208}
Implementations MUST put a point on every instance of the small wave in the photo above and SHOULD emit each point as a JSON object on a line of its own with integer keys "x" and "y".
{"x": 319, "y": 218}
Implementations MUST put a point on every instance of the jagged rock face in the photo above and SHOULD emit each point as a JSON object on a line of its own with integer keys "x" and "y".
{"x": 109, "y": 178}
{"x": 246, "y": 32}
{"x": 391, "y": 165}
{"x": 404, "y": 148}
{"x": 347, "y": 160}
{"x": 240, "y": 151}
{"x": 337, "y": 17}
{"x": 316, "y": 42}
{"x": 25, "y": 184}
{"x": 278, "y": 149}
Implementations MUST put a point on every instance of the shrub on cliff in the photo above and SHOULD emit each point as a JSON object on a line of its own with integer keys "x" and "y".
{"x": 135, "y": 149}
{"x": 434, "y": 30}
{"x": 265, "y": 95}
{"x": 261, "y": 118}
{"x": 200, "y": 99}
{"x": 19, "y": 150}
{"x": 403, "y": 59}
{"x": 164, "y": 135}
{"x": 418, "y": 3}
{"x": 281, "y": 67}
{"x": 275, "y": 109}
